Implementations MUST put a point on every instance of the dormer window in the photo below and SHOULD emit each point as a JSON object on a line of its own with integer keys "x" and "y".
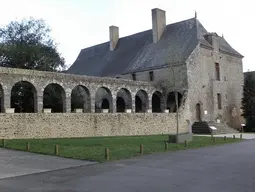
{"x": 151, "y": 76}
{"x": 134, "y": 77}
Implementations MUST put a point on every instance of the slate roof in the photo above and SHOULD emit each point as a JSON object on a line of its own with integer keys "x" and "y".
{"x": 137, "y": 52}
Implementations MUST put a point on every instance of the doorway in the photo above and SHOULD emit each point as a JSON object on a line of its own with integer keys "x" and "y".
{"x": 198, "y": 112}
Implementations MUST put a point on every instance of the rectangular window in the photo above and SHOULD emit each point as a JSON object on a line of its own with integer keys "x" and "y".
{"x": 217, "y": 71}
{"x": 134, "y": 76}
{"x": 219, "y": 100}
{"x": 151, "y": 75}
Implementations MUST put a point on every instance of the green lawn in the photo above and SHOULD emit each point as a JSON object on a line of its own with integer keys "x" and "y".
{"x": 120, "y": 147}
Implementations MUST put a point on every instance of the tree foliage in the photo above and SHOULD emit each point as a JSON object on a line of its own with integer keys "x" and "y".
{"x": 248, "y": 101}
{"x": 27, "y": 44}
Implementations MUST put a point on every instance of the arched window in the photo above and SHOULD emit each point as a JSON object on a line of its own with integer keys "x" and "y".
{"x": 171, "y": 103}
{"x": 54, "y": 97}
{"x": 124, "y": 100}
{"x": 103, "y": 100}
{"x": 80, "y": 99}
{"x": 141, "y": 101}
{"x": 157, "y": 102}
{"x": 24, "y": 97}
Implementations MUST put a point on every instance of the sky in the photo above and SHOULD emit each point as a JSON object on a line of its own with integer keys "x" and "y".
{"x": 77, "y": 24}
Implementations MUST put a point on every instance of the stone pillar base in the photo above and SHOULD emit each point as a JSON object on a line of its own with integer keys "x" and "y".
{"x": 47, "y": 110}
{"x": 78, "y": 110}
{"x": 105, "y": 110}
{"x": 10, "y": 110}
{"x": 149, "y": 111}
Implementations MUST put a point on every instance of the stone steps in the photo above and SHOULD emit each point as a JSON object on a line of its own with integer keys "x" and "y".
{"x": 204, "y": 128}
{"x": 222, "y": 128}
{"x": 201, "y": 128}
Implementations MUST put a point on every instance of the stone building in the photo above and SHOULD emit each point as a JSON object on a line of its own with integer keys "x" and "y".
{"x": 128, "y": 86}
{"x": 183, "y": 58}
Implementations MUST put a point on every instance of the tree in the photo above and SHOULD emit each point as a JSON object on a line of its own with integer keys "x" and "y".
{"x": 26, "y": 44}
{"x": 248, "y": 101}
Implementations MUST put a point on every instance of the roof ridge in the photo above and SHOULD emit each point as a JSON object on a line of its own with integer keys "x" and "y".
{"x": 140, "y": 33}
{"x": 94, "y": 45}
{"x": 166, "y": 26}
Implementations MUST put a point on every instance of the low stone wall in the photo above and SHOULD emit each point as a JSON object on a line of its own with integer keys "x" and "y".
{"x": 56, "y": 125}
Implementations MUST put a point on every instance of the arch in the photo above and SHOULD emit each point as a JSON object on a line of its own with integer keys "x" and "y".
{"x": 1, "y": 99}
{"x": 24, "y": 97}
{"x": 103, "y": 99}
{"x": 124, "y": 100}
{"x": 54, "y": 97}
{"x": 198, "y": 112}
{"x": 80, "y": 99}
{"x": 121, "y": 106}
{"x": 171, "y": 101}
{"x": 105, "y": 104}
{"x": 157, "y": 102}
{"x": 141, "y": 101}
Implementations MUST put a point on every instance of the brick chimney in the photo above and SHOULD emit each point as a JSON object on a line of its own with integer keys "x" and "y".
{"x": 114, "y": 36}
{"x": 158, "y": 23}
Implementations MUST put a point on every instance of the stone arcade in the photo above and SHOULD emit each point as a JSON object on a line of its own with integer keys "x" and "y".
{"x": 132, "y": 107}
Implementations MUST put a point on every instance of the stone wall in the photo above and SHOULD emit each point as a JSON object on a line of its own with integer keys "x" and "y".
{"x": 40, "y": 125}
{"x": 203, "y": 86}
{"x": 167, "y": 79}
{"x": 165, "y": 76}
{"x": 41, "y": 79}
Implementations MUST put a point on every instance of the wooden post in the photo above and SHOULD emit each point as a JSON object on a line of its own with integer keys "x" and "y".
{"x": 185, "y": 143}
{"x": 141, "y": 149}
{"x": 3, "y": 142}
{"x": 241, "y": 136}
{"x": 214, "y": 139}
{"x": 225, "y": 138}
{"x": 56, "y": 149}
{"x": 107, "y": 154}
{"x": 28, "y": 146}
{"x": 234, "y": 136}
{"x": 166, "y": 146}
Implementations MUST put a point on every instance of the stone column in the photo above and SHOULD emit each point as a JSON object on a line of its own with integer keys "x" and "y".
{"x": 67, "y": 104}
{"x": 114, "y": 106}
{"x": 163, "y": 106}
{"x": 149, "y": 106}
{"x": 67, "y": 108}
{"x": 93, "y": 102}
{"x": 39, "y": 104}
{"x": 7, "y": 100}
{"x": 133, "y": 103}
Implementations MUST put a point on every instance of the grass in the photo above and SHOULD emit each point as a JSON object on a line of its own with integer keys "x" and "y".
{"x": 120, "y": 147}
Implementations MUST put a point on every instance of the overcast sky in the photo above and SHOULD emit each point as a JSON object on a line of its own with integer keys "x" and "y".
{"x": 77, "y": 24}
